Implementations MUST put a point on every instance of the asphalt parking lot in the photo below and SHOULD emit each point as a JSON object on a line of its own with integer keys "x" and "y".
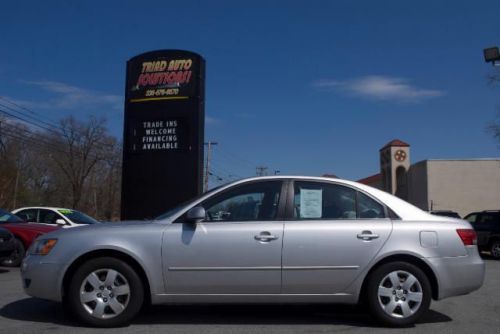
{"x": 478, "y": 312}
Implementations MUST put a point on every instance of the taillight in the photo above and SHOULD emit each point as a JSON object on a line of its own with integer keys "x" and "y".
{"x": 468, "y": 236}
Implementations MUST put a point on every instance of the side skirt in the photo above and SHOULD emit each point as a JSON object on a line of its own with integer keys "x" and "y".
{"x": 341, "y": 298}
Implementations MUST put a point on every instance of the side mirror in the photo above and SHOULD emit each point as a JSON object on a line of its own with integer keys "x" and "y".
{"x": 195, "y": 214}
{"x": 60, "y": 222}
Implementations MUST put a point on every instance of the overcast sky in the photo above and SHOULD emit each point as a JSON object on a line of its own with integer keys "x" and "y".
{"x": 304, "y": 87}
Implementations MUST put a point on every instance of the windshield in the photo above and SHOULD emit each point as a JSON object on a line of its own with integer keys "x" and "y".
{"x": 77, "y": 217}
{"x": 179, "y": 207}
{"x": 7, "y": 217}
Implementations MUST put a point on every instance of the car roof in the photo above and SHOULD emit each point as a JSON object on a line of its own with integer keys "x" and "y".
{"x": 41, "y": 207}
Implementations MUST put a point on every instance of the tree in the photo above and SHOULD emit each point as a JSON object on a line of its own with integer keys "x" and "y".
{"x": 76, "y": 165}
{"x": 82, "y": 147}
{"x": 15, "y": 139}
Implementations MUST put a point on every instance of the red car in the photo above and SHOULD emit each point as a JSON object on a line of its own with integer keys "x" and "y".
{"x": 24, "y": 233}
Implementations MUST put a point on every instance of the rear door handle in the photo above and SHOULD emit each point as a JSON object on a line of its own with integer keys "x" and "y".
{"x": 265, "y": 237}
{"x": 367, "y": 236}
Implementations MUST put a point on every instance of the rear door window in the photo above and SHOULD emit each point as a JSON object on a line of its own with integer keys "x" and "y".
{"x": 328, "y": 201}
{"x": 48, "y": 217}
{"x": 368, "y": 207}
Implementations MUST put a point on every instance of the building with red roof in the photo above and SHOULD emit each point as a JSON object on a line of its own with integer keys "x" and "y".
{"x": 460, "y": 185}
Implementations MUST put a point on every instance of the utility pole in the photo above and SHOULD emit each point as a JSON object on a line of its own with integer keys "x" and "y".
{"x": 207, "y": 167}
{"x": 261, "y": 170}
{"x": 95, "y": 195}
{"x": 16, "y": 184}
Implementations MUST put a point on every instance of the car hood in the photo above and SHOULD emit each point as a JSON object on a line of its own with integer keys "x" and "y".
{"x": 100, "y": 228}
{"x": 40, "y": 228}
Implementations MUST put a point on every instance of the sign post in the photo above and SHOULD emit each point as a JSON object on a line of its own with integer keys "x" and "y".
{"x": 163, "y": 132}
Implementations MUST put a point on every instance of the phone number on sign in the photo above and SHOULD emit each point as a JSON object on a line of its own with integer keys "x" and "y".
{"x": 162, "y": 92}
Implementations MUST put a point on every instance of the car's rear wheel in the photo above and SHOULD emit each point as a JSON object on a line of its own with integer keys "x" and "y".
{"x": 495, "y": 249}
{"x": 105, "y": 292}
{"x": 15, "y": 259}
{"x": 398, "y": 293}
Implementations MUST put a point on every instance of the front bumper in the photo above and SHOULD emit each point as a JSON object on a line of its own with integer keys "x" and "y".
{"x": 42, "y": 279}
{"x": 459, "y": 275}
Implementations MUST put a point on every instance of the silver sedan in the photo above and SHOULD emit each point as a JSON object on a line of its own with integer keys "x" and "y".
{"x": 263, "y": 240}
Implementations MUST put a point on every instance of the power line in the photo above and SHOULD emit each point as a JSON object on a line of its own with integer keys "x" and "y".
{"x": 224, "y": 170}
{"x": 33, "y": 142}
{"x": 34, "y": 134}
{"x": 17, "y": 105}
{"x": 236, "y": 159}
{"x": 58, "y": 128}
{"x": 45, "y": 128}
{"x": 42, "y": 143}
{"x": 53, "y": 125}
{"x": 247, "y": 163}
{"x": 230, "y": 167}
{"x": 28, "y": 121}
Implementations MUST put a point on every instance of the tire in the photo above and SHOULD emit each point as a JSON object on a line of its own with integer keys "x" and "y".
{"x": 495, "y": 249}
{"x": 17, "y": 256}
{"x": 398, "y": 294}
{"x": 105, "y": 292}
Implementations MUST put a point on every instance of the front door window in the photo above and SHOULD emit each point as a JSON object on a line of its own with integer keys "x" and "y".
{"x": 252, "y": 202}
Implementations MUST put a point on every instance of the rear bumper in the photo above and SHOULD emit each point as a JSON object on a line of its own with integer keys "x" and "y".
{"x": 459, "y": 275}
{"x": 42, "y": 280}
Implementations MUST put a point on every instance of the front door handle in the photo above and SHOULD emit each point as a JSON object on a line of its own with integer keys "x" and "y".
{"x": 265, "y": 237}
{"x": 367, "y": 236}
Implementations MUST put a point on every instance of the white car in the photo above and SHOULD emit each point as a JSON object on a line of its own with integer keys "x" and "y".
{"x": 54, "y": 216}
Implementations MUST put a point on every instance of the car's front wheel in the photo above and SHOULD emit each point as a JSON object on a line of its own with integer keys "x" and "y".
{"x": 15, "y": 259}
{"x": 106, "y": 292}
{"x": 398, "y": 293}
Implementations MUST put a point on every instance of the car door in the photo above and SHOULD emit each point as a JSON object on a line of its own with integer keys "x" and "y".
{"x": 333, "y": 232}
{"x": 235, "y": 250}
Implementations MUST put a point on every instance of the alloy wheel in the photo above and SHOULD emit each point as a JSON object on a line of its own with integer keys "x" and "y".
{"x": 105, "y": 293}
{"x": 400, "y": 294}
{"x": 495, "y": 250}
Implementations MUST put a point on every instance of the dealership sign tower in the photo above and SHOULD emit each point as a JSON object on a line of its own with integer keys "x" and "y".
{"x": 163, "y": 132}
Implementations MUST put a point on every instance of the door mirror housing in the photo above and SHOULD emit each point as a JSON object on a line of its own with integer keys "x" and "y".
{"x": 196, "y": 214}
{"x": 60, "y": 222}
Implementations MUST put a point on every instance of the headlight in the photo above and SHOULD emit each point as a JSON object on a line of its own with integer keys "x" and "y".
{"x": 43, "y": 246}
